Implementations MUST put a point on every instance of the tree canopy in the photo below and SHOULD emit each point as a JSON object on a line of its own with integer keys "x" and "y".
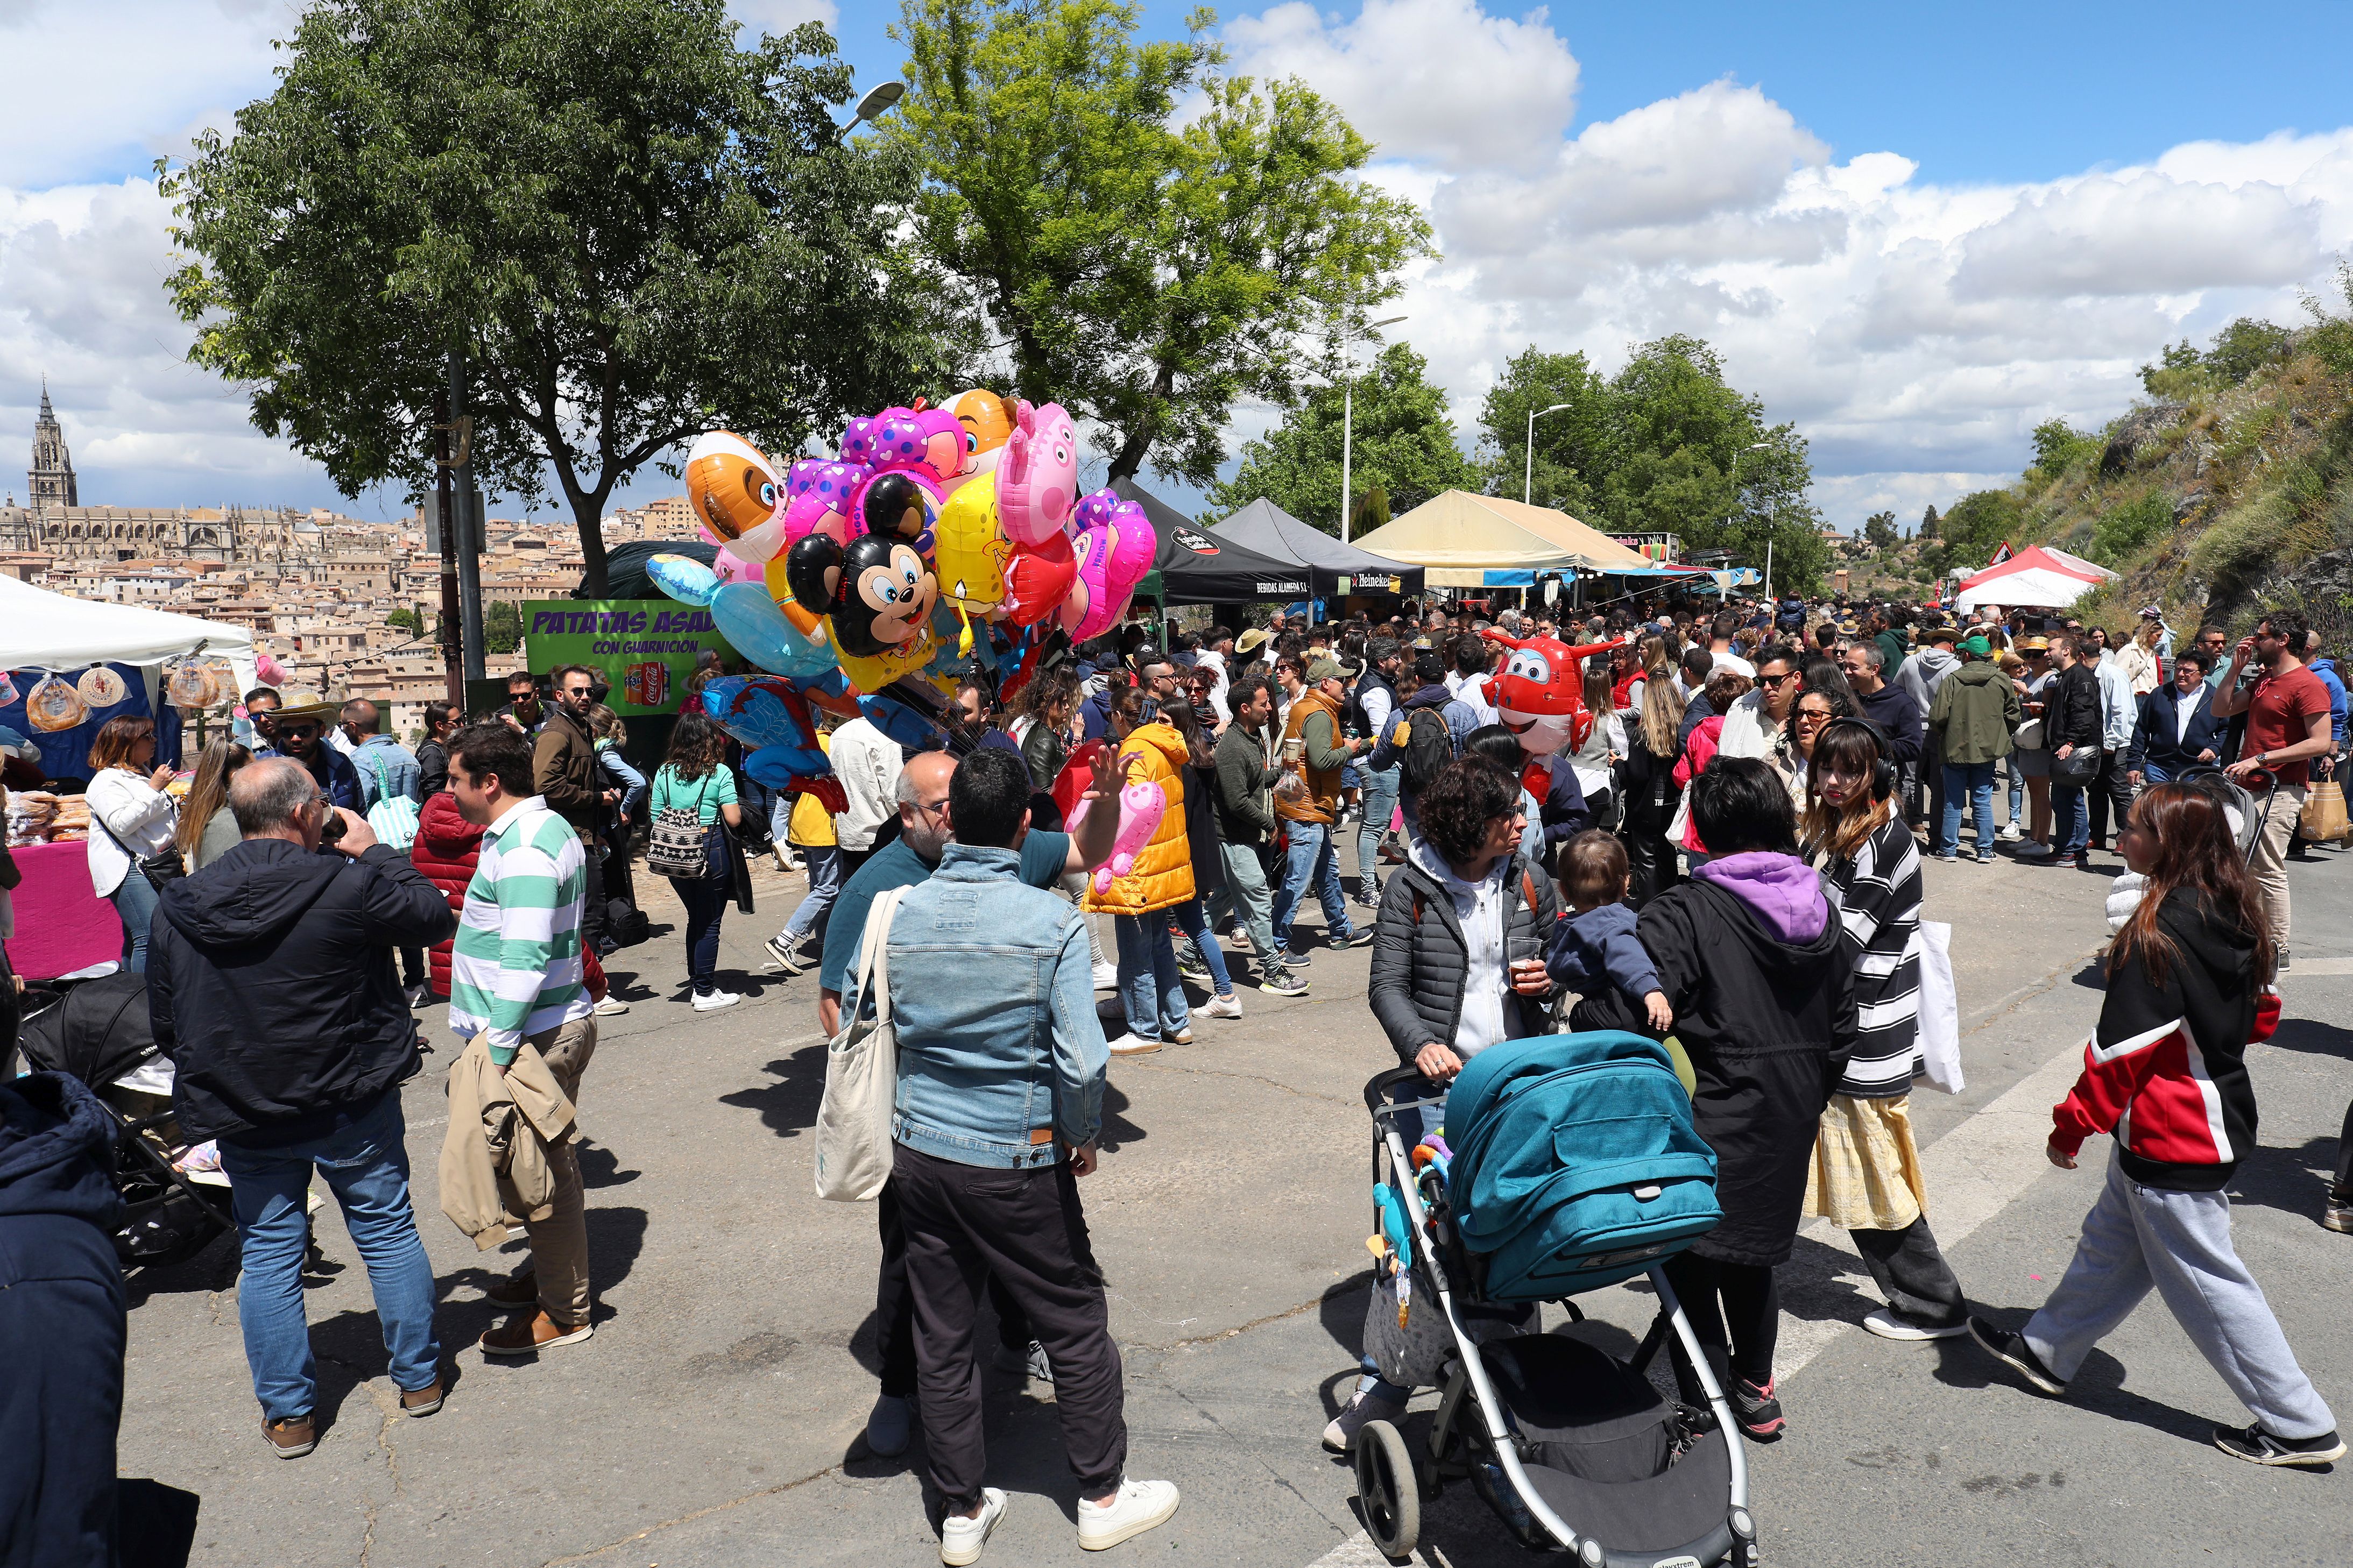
{"x": 1665, "y": 446}
{"x": 1145, "y": 240}
{"x": 634, "y": 229}
{"x": 1402, "y": 453}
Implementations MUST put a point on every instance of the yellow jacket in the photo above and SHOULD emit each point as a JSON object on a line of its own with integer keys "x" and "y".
{"x": 495, "y": 1169}
{"x": 1163, "y": 876}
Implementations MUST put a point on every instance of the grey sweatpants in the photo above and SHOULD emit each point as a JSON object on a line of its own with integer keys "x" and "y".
{"x": 2138, "y": 1236}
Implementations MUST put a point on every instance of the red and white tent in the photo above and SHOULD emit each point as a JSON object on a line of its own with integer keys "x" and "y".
{"x": 2037, "y": 576}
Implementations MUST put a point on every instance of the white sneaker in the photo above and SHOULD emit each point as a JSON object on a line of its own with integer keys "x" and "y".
{"x": 1106, "y": 976}
{"x": 962, "y": 1539}
{"x": 2011, "y": 833}
{"x": 715, "y": 1001}
{"x": 1227, "y": 1006}
{"x": 610, "y": 1007}
{"x": 1883, "y": 1321}
{"x": 418, "y": 996}
{"x": 1134, "y": 1045}
{"x": 1135, "y": 1508}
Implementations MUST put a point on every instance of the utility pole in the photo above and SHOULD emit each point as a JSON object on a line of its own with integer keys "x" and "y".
{"x": 451, "y": 659}
{"x": 469, "y": 565}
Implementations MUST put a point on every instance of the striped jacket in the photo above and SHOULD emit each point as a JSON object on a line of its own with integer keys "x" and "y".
{"x": 515, "y": 968}
{"x": 1878, "y": 895}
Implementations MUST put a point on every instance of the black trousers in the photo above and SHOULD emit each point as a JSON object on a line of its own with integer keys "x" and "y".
{"x": 592, "y": 907}
{"x": 1025, "y": 1229}
{"x": 895, "y": 1305}
{"x": 60, "y": 1289}
{"x": 2341, "y": 1189}
{"x": 1650, "y": 856}
{"x": 1736, "y": 1313}
{"x": 1912, "y": 1275}
{"x": 2108, "y": 785}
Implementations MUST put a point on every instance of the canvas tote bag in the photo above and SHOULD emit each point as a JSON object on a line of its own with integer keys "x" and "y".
{"x": 862, "y": 1075}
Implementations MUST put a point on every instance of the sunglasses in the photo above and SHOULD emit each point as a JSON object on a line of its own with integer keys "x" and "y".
{"x": 298, "y": 732}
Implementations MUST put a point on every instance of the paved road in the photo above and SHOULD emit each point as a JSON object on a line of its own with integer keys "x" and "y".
{"x": 713, "y": 1418}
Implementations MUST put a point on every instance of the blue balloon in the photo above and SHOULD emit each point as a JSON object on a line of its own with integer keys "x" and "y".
{"x": 749, "y": 619}
{"x": 683, "y": 578}
{"x": 777, "y": 766}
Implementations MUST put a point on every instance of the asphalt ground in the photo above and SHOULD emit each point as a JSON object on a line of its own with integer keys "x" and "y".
{"x": 716, "y": 1416}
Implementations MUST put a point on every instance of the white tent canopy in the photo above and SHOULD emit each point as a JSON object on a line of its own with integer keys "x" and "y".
{"x": 41, "y": 630}
{"x": 2038, "y": 577}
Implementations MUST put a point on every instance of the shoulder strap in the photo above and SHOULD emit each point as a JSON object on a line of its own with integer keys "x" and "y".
{"x": 1528, "y": 890}
{"x": 878, "y": 933}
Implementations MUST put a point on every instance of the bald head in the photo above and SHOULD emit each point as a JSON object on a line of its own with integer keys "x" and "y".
{"x": 359, "y": 718}
{"x": 924, "y": 803}
{"x": 272, "y": 797}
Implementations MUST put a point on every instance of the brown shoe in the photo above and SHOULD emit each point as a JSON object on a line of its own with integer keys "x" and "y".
{"x": 292, "y": 1438}
{"x": 518, "y": 1294}
{"x": 422, "y": 1401}
{"x": 527, "y": 1333}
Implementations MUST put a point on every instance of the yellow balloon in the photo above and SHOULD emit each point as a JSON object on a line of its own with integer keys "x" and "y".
{"x": 969, "y": 550}
{"x": 871, "y": 675}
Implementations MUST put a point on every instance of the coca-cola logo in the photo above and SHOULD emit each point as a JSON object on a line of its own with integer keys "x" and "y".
{"x": 1197, "y": 543}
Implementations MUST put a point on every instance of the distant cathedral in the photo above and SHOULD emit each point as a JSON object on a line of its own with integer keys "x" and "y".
{"x": 53, "y": 522}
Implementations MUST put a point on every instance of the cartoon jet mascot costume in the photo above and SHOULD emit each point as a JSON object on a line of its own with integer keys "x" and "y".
{"x": 1541, "y": 696}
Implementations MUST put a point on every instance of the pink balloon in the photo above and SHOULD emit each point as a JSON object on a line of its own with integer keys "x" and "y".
{"x": 1092, "y": 609}
{"x": 730, "y": 568}
{"x": 1038, "y": 478}
{"x": 1134, "y": 543}
{"x": 803, "y": 475}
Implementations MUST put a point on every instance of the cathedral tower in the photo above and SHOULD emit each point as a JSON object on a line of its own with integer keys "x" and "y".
{"x": 51, "y": 481}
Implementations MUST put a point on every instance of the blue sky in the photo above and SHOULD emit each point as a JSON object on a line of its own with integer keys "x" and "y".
{"x": 1913, "y": 232}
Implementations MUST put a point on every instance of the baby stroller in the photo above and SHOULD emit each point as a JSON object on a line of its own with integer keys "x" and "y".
{"x": 1572, "y": 1166}
{"x": 98, "y": 1033}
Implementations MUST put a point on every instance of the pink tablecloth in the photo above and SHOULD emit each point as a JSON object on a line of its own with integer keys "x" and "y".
{"x": 61, "y": 926}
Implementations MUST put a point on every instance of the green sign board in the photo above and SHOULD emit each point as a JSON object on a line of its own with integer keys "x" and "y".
{"x": 645, "y": 648}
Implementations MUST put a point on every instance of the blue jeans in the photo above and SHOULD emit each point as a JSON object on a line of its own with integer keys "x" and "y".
{"x": 2154, "y": 772}
{"x": 1196, "y": 925}
{"x": 1151, "y": 992}
{"x": 824, "y": 863}
{"x": 366, "y": 1167}
{"x": 2017, "y": 793}
{"x": 705, "y": 898}
{"x": 134, "y": 905}
{"x": 1977, "y": 778}
{"x": 2071, "y": 824}
{"x": 1380, "y": 805}
{"x": 1309, "y": 859}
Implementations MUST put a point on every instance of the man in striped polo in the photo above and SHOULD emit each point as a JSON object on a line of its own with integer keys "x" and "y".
{"x": 515, "y": 977}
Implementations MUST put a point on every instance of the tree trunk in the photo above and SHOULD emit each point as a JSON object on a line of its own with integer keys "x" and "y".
{"x": 584, "y": 509}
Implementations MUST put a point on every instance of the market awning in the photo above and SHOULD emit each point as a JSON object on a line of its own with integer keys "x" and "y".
{"x": 1465, "y": 541}
{"x": 1332, "y": 567}
{"x": 2039, "y": 576}
{"x": 1193, "y": 566}
{"x": 41, "y": 630}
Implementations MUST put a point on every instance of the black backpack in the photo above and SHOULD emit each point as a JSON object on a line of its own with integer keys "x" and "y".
{"x": 1428, "y": 747}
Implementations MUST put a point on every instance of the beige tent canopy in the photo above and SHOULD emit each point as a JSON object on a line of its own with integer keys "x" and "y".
{"x": 1486, "y": 542}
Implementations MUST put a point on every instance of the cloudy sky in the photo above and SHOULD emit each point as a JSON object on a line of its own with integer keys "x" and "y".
{"x": 1914, "y": 237}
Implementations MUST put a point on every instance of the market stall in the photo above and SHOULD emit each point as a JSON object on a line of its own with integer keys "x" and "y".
{"x": 1192, "y": 566}
{"x": 71, "y": 665}
{"x": 1332, "y": 569}
{"x": 1488, "y": 541}
{"x": 2038, "y": 577}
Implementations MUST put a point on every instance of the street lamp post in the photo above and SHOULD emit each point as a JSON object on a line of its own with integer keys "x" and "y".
{"x": 1753, "y": 446}
{"x": 874, "y": 106}
{"x": 1528, "y": 479}
{"x": 1347, "y": 407}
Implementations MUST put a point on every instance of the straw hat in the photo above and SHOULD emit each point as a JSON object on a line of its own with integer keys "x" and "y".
{"x": 1254, "y": 639}
{"x": 2036, "y": 642}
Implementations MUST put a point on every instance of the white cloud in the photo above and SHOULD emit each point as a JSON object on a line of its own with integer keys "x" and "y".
{"x": 1436, "y": 82}
{"x": 781, "y": 17}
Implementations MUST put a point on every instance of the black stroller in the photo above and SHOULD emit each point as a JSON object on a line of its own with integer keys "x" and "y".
{"x": 1572, "y": 1447}
{"x": 98, "y": 1032}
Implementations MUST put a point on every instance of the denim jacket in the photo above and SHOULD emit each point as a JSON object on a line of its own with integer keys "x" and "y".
{"x": 1000, "y": 1053}
{"x": 401, "y": 772}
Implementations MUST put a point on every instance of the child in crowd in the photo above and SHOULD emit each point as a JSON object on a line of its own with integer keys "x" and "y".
{"x": 1597, "y": 944}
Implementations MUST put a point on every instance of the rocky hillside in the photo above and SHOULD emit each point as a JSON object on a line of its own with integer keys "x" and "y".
{"x": 2227, "y": 488}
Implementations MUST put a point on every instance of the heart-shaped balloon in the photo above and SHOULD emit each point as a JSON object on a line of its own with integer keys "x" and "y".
{"x": 1038, "y": 579}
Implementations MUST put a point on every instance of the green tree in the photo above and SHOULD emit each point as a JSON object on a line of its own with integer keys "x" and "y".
{"x": 2244, "y": 347}
{"x": 1146, "y": 240}
{"x": 1879, "y": 530}
{"x": 1573, "y": 447}
{"x": 501, "y": 627}
{"x": 409, "y": 620}
{"x": 1930, "y": 523}
{"x": 1979, "y": 525}
{"x": 635, "y": 230}
{"x": 1403, "y": 450}
{"x": 2058, "y": 444}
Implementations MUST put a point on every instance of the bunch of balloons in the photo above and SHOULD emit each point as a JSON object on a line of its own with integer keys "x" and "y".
{"x": 848, "y": 577}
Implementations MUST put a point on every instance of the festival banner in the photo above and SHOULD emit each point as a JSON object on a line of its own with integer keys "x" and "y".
{"x": 644, "y": 647}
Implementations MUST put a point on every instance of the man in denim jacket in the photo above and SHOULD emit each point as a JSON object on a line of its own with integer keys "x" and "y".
{"x": 1001, "y": 1070}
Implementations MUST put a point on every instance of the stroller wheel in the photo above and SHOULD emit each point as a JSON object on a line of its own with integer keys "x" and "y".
{"x": 1388, "y": 1489}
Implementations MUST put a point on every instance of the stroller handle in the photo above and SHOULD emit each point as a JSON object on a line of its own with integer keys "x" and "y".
{"x": 1378, "y": 1087}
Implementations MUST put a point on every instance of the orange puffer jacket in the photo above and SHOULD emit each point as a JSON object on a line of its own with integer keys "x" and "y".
{"x": 1163, "y": 876}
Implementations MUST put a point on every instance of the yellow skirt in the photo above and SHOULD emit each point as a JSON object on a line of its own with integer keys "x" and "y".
{"x": 1866, "y": 1170}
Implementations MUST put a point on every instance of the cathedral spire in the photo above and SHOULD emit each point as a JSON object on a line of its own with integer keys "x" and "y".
{"x": 47, "y": 417}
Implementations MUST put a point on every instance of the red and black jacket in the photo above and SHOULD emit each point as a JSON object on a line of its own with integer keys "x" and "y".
{"x": 2166, "y": 1071}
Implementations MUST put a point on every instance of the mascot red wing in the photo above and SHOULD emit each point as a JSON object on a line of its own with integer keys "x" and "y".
{"x": 1540, "y": 694}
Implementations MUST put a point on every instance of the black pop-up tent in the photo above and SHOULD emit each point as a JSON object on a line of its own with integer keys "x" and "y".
{"x": 1193, "y": 566}
{"x": 1333, "y": 568}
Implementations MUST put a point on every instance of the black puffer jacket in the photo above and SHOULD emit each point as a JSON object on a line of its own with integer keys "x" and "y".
{"x": 1768, "y": 1021}
{"x": 1417, "y": 957}
{"x": 271, "y": 985}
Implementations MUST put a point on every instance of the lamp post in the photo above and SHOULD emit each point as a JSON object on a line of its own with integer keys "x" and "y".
{"x": 1753, "y": 446}
{"x": 1528, "y": 479}
{"x": 874, "y": 106}
{"x": 1347, "y": 407}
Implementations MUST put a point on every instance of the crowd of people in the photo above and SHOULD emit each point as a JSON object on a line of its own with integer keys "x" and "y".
{"x": 1729, "y": 856}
